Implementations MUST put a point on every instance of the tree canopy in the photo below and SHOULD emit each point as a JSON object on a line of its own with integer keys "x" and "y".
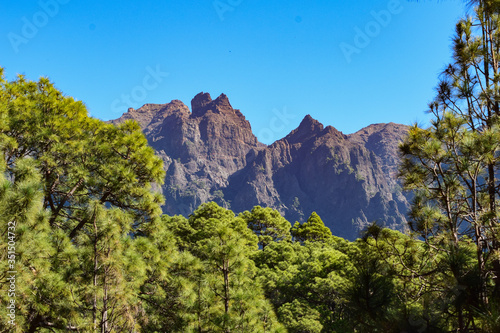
{"x": 91, "y": 185}
{"x": 452, "y": 167}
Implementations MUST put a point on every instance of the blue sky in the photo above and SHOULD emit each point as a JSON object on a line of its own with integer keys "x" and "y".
{"x": 347, "y": 63}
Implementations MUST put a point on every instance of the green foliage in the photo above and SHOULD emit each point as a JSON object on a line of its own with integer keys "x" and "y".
{"x": 267, "y": 224}
{"x": 371, "y": 293}
{"x": 313, "y": 229}
{"x": 224, "y": 296}
{"x": 26, "y": 245}
{"x": 81, "y": 159}
{"x": 453, "y": 168}
{"x": 310, "y": 279}
{"x": 168, "y": 291}
{"x": 81, "y": 189}
{"x": 300, "y": 317}
{"x": 109, "y": 259}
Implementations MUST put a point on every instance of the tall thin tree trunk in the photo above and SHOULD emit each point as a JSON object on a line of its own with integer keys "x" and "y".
{"x": 35, "y": 324}
{"x": 226, "y": 291}
{"x": 199, "y": 306}
{"x": 96, "y": 267}
{"x": 461, "y": 325}
{"x": 104, "y": 325}
{"x": 486, "y": 29}
{"x": 479, "y": 245}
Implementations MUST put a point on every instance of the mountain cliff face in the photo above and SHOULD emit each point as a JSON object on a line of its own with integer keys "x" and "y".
{"x": 211, "y": 154}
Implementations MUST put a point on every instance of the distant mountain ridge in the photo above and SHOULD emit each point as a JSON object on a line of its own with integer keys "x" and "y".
{"x": 211, "y": 154}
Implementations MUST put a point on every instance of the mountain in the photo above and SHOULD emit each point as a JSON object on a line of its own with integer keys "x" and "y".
{"x": 211, "y": 154}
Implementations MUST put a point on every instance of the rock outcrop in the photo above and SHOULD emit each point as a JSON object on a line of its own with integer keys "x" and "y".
{"x": 211, "y": 154}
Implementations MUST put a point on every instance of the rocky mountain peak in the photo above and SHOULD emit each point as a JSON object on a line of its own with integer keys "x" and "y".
{"x": 330, "y": 130}
{"x": 150, "y": 114}
{"x": 308, "y": 128}
{"x": 199, "y": 104}
{"x": 202, "y": 103}
{"x": 223, "y": 101}
{"x": 310, "y": 124}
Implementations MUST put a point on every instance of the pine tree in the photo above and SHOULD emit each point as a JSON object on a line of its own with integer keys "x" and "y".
{"x": 452, "y": 166}
{"x": 95, "y": 182}
{"x": 313, "y": 230}
{"x": 267, "y": 224}
{"x": 81, "y": 159}
{"x": 306, "y": 283}
{"x": 226, "y": 296}
{"x": 27, "y": 251}
{"x": 370, "y": 294}
{"x": 111, "y": 272}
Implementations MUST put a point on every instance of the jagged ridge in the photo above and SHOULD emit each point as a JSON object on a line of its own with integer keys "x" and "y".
{"x": 211, "y": 153}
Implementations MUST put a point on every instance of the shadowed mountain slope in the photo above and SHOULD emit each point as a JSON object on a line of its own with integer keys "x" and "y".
{"x": 211, "y": 154}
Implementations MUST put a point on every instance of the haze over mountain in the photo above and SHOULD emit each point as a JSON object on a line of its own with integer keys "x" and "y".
{"x": 211, "y": 154}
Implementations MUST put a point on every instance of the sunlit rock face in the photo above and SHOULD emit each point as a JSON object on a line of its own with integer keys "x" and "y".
{"x": 211, "y": 154}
